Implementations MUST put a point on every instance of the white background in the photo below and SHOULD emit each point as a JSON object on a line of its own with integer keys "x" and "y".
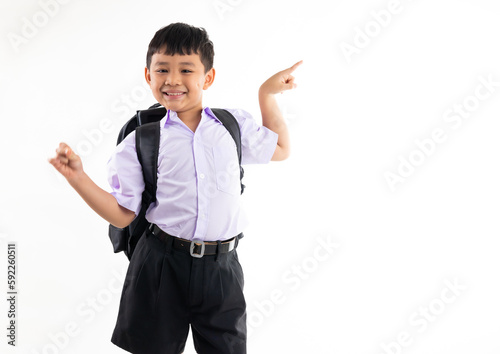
{"x": 352, "y": 119}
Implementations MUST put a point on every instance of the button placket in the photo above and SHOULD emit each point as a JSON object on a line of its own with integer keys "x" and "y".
{"x": 201, "y": 185}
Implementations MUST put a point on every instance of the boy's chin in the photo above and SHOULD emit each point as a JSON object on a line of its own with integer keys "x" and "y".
{"x": 171, "y": 107}
{"x": 170, "y": 104}
{"x": 180, "y": 107}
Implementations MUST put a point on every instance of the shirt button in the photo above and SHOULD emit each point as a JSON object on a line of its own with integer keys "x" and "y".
{"x": 202, "y": 176}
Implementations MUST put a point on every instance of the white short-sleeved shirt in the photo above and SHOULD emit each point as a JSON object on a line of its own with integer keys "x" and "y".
{"x": 198, "y": 194}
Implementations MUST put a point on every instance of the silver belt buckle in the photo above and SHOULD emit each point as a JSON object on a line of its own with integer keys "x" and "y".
{"x": 232, "y": 243}
{"x": 191, "y": 248}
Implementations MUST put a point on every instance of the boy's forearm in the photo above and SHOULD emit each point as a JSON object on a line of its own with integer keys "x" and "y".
{"x": 273, "y": 120}
{"x": 102, "y": 202}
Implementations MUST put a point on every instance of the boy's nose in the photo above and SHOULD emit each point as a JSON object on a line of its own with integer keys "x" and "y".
{"x": 172, "y": 79}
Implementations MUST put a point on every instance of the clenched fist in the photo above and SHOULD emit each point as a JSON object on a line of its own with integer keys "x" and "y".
{"x": 67, "y": 162}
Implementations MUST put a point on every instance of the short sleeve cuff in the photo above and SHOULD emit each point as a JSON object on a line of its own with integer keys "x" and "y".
{"x": 127, "y": 202}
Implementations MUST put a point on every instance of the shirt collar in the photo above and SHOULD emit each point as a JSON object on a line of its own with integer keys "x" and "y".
{"x": 165, "y": 119}
{"x": 211, "y": 114}
{"x": 208, "y": 112}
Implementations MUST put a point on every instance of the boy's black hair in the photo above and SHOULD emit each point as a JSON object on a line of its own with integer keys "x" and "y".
{"x": 183, "y": 39}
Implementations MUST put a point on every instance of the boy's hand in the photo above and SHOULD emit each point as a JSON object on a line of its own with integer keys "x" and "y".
{"x": 271, "y": 114}
{"x": 280, "y": 81}
{"x": 103, "y": 203}
{"x": 67, "y": 162}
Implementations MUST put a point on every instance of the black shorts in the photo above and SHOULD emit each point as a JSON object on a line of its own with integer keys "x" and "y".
{"x": 166, "y": 290}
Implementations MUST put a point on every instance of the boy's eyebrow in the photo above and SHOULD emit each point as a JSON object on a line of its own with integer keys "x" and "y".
{"x": 188, "y": 63}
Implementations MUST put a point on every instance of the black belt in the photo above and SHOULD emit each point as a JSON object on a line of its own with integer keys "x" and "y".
{"x": 196, "y": 248}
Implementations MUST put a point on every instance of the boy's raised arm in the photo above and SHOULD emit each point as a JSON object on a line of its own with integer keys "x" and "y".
{"x": 271, "y": 114}
{"x": 103, "y": 203}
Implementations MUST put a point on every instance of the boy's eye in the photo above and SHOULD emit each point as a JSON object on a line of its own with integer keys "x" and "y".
{"x": 162, "y": 71}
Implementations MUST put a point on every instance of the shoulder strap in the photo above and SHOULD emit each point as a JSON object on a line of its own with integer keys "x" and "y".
{"x": 232, "y": 126}
{"x": 152, "y": 114}
{"x": 147, "y": 143}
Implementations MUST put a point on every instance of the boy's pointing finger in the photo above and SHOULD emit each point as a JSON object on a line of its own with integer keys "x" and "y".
{"x": 295, "y": 66}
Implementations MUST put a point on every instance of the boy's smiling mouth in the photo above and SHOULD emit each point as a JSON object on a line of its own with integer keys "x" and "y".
{"x": 173, "y": 93}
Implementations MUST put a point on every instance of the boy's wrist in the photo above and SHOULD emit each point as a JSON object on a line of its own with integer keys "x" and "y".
{"x": 76, "y": 179}
{"x": 264, "y": 93}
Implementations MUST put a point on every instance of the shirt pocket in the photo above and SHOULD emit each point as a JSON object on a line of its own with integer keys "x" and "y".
{"x": 227, "y": 168}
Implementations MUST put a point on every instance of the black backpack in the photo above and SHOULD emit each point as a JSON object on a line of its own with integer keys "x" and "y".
{"x": 146, "y": 123}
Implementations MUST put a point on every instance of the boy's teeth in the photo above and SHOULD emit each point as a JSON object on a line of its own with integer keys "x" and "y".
{"x": 174, "y": 94}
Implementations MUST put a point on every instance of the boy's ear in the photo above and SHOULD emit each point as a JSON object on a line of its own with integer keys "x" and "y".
{"x": 147, "y": 74}
{"x": 209, "y": 78}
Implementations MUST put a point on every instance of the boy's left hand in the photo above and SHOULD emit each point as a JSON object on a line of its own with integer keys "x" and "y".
{"x": 280, "y": 81}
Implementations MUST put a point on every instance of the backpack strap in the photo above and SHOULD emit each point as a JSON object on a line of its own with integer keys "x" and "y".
{"x": 232, "y": 126}
{"x": 147, "y": 143}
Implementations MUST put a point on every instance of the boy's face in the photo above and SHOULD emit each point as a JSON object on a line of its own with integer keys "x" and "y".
{"x": 177, "y": 82}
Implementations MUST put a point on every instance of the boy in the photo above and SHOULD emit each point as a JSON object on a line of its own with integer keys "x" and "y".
{"x": 167, "y": 288}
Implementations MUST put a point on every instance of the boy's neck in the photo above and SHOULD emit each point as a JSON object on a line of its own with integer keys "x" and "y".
{"x": 191, "y": 118}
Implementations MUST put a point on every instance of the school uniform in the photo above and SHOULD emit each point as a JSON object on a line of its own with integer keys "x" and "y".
{"x": 168, "y": 285}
